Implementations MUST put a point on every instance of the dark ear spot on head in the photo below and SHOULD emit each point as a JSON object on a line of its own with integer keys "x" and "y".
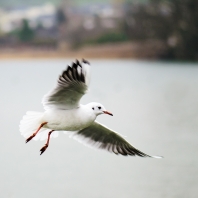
{"x": 93, "y": 108}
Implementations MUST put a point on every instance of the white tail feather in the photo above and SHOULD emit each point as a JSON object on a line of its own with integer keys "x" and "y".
{"x": 31, "y": 122}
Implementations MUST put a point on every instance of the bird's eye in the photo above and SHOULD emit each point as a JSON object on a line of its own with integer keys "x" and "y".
{"x": 93, "y": 108}
{"x": 99, "y": 107}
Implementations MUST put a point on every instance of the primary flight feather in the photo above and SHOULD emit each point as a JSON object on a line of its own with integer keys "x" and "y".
{"x": 63, "y": 112}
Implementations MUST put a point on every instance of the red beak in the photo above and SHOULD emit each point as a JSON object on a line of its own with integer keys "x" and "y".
{"x": 106, "y": 112}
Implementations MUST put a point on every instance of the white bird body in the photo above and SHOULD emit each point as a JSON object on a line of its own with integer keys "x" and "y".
{"x": 63, "y": 112}
{"x": 68, "y": 120}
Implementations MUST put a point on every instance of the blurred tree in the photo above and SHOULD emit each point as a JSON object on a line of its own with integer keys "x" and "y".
{"x": 25, "y": 34}
{"x": 174, "y": 22}
{"x": 185, "y": 28}
{"x": 60, "y": 15}
{"x": 111, "y": 37}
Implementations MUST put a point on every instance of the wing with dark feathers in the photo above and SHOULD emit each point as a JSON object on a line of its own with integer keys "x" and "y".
{"x": 71, "y": 86}
{"x": 101, "y": 137}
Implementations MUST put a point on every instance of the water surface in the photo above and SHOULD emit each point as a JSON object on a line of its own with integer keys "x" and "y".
{"x": 154, "y": 104}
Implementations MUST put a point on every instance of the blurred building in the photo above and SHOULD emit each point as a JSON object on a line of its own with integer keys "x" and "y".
{"x": 37, "y": 15}
{"x": 86, "y": 24}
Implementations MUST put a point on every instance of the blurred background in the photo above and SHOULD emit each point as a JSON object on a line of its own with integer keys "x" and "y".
{"x": 143, "y": 56}
{"x": 147, "y": 29}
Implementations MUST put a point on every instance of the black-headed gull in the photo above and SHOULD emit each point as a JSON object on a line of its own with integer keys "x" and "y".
{"x": 63, "y": 112}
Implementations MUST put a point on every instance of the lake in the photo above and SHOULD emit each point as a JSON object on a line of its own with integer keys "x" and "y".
{"x": 155, "y": 105}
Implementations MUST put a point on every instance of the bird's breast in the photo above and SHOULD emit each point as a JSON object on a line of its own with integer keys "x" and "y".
{"x": 68, "y": 120}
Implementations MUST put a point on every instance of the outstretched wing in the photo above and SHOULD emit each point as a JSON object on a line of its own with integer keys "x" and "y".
{"x": 71, "y": 86}
{"x": 99, "y": 136}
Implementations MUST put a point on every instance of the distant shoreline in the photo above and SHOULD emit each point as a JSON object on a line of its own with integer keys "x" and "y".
{"x": 126, "y": 50}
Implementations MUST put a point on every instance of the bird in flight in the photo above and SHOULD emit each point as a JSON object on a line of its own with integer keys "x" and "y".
{"x": 63, "y": 112}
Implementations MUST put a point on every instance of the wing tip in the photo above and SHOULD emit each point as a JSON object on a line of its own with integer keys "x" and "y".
{"x": 85, "y": 61}
{"x": 79, "y": 63}
{"x": 157, "y": 157}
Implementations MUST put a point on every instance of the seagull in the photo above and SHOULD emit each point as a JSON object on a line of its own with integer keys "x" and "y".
{"x": 63, "y": 112}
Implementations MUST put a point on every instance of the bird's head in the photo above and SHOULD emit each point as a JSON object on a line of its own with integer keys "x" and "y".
{"x": 98, "y": 108}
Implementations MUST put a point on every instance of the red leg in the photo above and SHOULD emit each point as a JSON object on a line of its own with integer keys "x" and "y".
{"x": 47, "y": 143}
{"x": 34, "y": 134}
